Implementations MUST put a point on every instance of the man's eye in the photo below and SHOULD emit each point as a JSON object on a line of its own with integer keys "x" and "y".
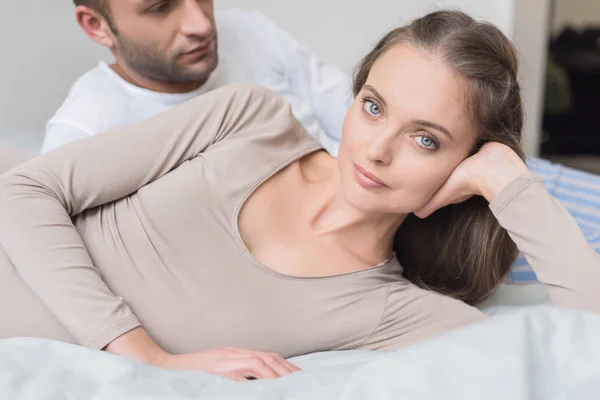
{"x": 160, "y": 7}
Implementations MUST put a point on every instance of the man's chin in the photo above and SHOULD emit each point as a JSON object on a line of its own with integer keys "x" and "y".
{"x": 199, "y": 70}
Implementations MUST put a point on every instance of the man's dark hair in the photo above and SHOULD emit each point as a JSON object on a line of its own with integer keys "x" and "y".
{"x": 102, "y": 7}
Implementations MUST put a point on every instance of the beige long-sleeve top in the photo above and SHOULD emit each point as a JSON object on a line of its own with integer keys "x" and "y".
{"x": 138, "y": 226}
{"x": 10, "y": 158}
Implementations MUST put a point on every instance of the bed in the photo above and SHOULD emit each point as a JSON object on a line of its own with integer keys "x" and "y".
{"x": 534, "y": 353}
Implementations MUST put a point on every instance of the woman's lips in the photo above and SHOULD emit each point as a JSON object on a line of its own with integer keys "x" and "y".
{"x": 366, "y": 179}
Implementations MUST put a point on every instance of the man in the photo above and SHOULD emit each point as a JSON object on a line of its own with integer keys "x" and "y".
{"x": 169, "y": 51}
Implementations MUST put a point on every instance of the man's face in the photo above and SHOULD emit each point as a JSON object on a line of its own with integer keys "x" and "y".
{"x": 166, "y": 40}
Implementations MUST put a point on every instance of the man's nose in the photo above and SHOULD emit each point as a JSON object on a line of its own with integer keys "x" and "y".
{"x": 195, "y": 21}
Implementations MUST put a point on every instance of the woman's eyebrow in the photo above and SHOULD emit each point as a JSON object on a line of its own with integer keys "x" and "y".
{"x": 421, "y": 122}
{"x": 376, "y": 93}
{"x": 433, "y": 125}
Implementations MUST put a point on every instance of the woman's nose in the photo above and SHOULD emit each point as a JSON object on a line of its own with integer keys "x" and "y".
{"x": 379, "y": 150}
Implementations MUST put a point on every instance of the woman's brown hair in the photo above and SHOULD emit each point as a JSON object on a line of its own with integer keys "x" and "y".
{"x": 461, "y": 250}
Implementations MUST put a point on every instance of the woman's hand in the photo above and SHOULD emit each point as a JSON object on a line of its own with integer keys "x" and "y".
{"x": 485, "y": 174}
{"x": 233, "y": 363}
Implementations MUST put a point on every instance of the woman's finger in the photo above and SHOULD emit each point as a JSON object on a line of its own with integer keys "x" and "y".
{"x": 270, "y": 358}
{"x": 278, "y": 363}
{"x": 235, "y": 377}
{"x": 291, "y": 367}
{"x": 254, "y": 367}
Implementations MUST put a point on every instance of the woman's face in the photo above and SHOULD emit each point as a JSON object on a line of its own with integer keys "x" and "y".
{"x": 405, "y": 133}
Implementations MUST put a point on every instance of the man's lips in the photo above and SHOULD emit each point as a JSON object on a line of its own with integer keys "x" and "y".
{"x": 199, "y": 50}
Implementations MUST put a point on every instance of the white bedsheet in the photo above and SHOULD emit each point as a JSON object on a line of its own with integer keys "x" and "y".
{"x": 536, "y": 353}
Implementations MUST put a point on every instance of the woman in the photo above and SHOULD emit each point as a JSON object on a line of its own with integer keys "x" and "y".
{"x": 223, "y": 223}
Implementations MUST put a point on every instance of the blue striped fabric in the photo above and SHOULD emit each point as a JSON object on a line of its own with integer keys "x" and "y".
{"x": 579, "y": 193}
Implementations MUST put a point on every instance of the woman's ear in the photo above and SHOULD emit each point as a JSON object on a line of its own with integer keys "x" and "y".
{"x": 95, "y": 26}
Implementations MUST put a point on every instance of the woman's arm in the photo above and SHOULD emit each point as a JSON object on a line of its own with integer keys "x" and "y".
{"x": 544, "y": 231}
{"x": 234, "y": 363}
{"x": 541, "y": 228}
{"x": 552, "y": 242}
{"x": 10, "y": 158}
{"x": 38, "y": 198}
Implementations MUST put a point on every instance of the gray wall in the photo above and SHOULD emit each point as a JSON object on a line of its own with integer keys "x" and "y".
{"x": 342, "y": 31}
{"x": 43, "y": 52}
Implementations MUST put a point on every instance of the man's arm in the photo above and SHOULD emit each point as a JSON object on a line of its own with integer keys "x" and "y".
{"x": 326, "y": 89}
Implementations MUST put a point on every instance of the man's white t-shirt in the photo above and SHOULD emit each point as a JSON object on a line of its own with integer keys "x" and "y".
{"x": 251, "y": 48}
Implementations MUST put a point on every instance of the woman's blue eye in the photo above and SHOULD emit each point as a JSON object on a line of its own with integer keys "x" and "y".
{"x": 371, "y": 108}
{"x": 426, "y": 142}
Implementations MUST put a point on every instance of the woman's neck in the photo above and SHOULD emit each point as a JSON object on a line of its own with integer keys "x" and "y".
{"x": 368, "y": 235}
